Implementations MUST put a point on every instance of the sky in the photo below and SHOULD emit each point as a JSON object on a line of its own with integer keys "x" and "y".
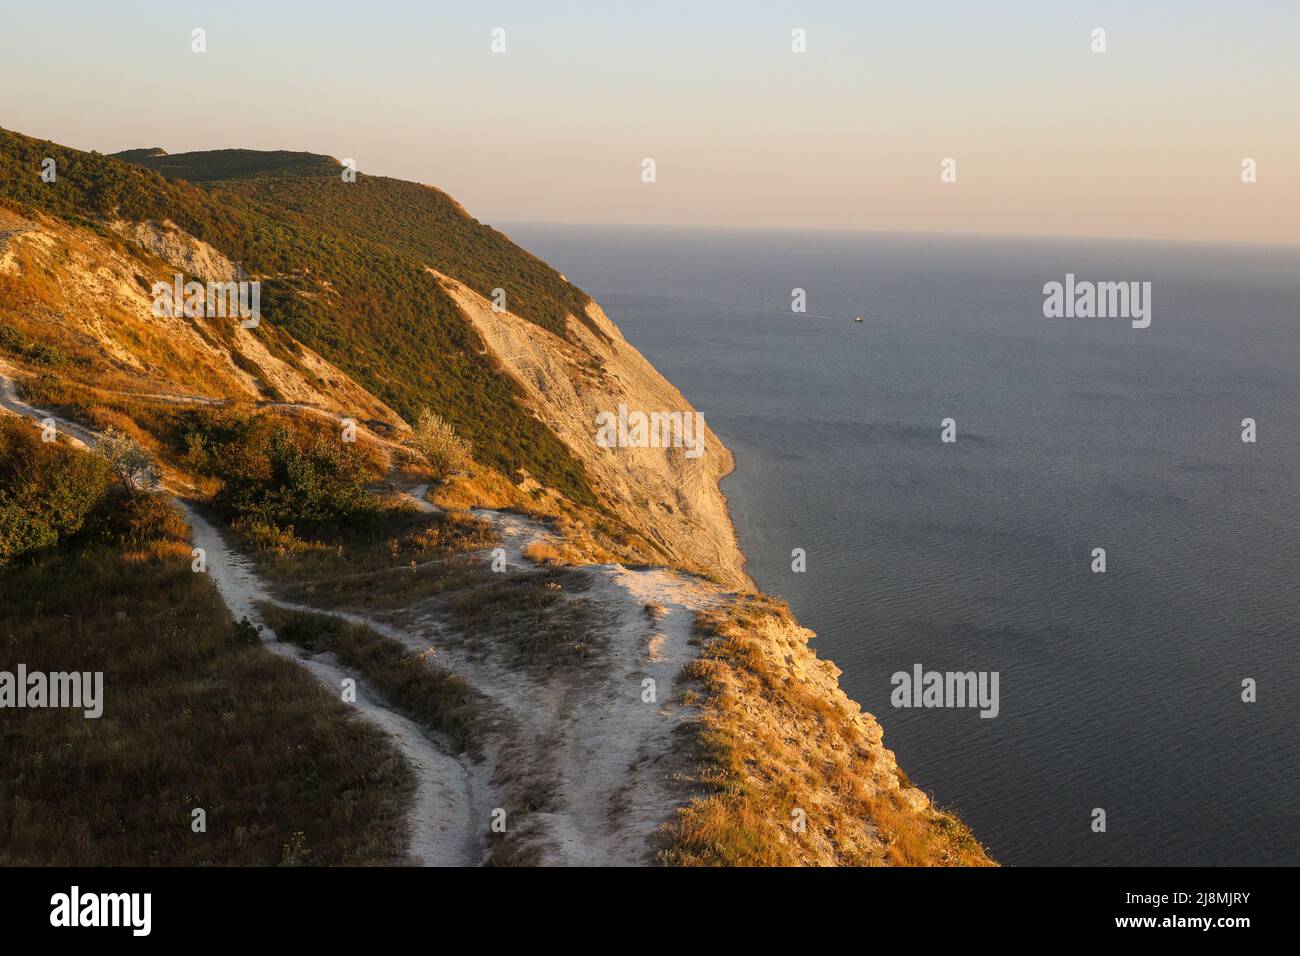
{"x": 1049, "y": 138}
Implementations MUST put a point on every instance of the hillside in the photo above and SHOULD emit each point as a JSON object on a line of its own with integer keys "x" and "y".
{"x": 387, "y": 323}
{"x": 500, "y": 617}
{"x": 420, "y": 223}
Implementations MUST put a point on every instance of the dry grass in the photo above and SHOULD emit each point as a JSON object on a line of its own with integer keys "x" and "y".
{"x": 413, "y": 683}
{"x": 540, "y": 552}
{"x": 194, "y": 716}
{"x": 776, "y": 736}
{"x": 400, "y": 557}
{"x": 589, "y": 535}
{"x": 535, "y": 616}
{"x": 64, "y": 318}
{"x": 480, "y": 487}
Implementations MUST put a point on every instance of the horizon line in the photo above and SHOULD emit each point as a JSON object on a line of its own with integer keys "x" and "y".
{"x": 1290, "y": 245}
{"x": 937, "y": 233}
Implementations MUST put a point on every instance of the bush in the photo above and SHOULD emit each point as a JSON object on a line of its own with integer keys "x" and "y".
{"x": 11, "y": 340}
{"x": 267, "y": 537}
{"x": 245, "y": 633}
{"x": 45, "y": 354}
{"x": 281, "y": 478}
{"x": 444, "y": 450}
{"x": 134, "y": 519}
{"x": 42, "y": 353}
{"x": 49, "y": 389}
{"x": 46, "y": 489}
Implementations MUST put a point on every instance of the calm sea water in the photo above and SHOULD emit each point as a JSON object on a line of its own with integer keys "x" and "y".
{"x": 1119, "y": 690}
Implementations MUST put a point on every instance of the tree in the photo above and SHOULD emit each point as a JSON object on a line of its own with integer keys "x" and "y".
{"x": 130, "y": 463}
{"x": 444, "y": 450}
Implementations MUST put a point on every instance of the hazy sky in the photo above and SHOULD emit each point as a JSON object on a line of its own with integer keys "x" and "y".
{"x": 1146, "y": 139}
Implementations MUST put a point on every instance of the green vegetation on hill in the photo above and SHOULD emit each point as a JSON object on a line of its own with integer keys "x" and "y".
{"x": 343, "y": 273}
{"x": 147, "y": 152}
{"x": 214, "y": 164}
{"x": 277, "y": 476}
{"x": 427, "y": 226}
{"x": 418, "y": 222}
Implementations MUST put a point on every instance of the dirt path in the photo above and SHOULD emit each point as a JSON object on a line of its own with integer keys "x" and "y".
{"x": 597, "y": 740}
{"x": 443, "y": 831}
{"x": 82, "y": 437}
{"x": 603, "y": 738}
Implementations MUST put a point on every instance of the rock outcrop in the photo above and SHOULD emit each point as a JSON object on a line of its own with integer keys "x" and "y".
{"x": 669, "y": 497}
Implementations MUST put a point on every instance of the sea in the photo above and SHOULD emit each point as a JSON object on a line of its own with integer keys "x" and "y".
{"x": 1147, "y": 713}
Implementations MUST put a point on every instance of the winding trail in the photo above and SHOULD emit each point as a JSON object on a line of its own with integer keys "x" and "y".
{"x": 442, "y": 825}
{"x": 597, "y": 740}
{"x": 78, "y": 435}
{"x": 443, "y": 831}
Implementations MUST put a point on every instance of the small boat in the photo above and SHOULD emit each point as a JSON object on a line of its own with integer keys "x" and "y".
{"x": 857, "y": 318}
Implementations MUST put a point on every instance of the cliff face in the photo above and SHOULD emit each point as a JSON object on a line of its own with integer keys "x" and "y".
{"x": 90, "y": 297}
{"x": 669, "y": 497}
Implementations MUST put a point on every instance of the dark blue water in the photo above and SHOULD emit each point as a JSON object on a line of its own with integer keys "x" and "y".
{"x": 1119, "y": 691}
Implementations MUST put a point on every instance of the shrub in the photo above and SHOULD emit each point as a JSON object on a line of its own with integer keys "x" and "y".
{"x": 11, "y": 340}
{"x": 46, "y": 489}
{"x": 267, "y": 537}
{"x": 49, "y": 389}
{"x": 245, "y": 633}
{"x": 444, "y": 450}
{"x": 134, "y": 519}
{"x": 129, "y": 462}
{"x": 41, "y": 353}
{"x": 281, "y": 478}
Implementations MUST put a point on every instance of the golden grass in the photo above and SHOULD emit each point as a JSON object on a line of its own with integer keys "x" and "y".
{"x": 194, "y": 716}
{"x": 399, "y": 557}
{"x": 540, "y": 552}
{"x": 778, "y": 739}
{"x": 589, "y": 536}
